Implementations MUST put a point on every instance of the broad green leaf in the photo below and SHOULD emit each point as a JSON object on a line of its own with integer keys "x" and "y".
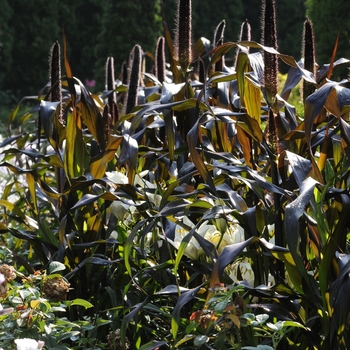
{"x": 80, "y": 302}
{"x": 200, "y": 340}
{"x": 56, "y": 266}
{"x": 291, "y": 266}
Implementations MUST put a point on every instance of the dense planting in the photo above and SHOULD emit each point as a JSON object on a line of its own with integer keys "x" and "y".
{"x": 185, "y": 207}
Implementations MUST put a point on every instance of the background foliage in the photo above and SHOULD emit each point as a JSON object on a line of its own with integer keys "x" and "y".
{"x": 95, "y": 29}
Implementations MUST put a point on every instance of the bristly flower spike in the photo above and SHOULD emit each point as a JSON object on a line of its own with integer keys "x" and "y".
{"x": 219, "y": 40}
{"x": 244, "y": 35}
{"x": 246, "y": 31}
{"x": 110, "y": 86}
{"x": 160, "y": 59}
{"x": 269, "y": 38}
{"x": 134, "y": 80}
{"x": 309, "y": 55}
{"x": 55, "y": 78}
{"x": 183, "y": 34}
{"x": 124, "y": 73}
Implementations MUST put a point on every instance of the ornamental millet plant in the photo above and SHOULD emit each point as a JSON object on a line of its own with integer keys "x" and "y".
{"x": 270, "y": 84}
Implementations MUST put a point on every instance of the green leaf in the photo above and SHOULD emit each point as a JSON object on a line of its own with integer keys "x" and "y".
{"x": 184, "y": 340}
{"x": 129, "y": 244}
{"x": 200, "y": 340}
{"x": 152, "y": 345}
{"x": 293, "y": 324}
{"x": 56, "y": 266}
{"x": 79, "y": 302}
{"x": 10, "y": 206}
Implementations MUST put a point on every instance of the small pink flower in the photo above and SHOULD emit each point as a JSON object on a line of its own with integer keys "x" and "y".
{"x": 90, "y": 83}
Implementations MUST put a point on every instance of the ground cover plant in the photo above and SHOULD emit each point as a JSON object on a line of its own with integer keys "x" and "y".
{"x": 187, "y": 207}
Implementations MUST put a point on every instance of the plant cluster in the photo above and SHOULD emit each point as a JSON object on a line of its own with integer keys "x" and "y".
{"x": 33, "y": 311}
{"x": 186, "y": 207}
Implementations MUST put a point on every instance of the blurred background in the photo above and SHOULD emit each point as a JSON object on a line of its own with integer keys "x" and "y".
{"x": 96, "y": 29}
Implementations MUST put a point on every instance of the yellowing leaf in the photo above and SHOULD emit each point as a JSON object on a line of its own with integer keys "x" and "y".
{"x": 34, "y": 303}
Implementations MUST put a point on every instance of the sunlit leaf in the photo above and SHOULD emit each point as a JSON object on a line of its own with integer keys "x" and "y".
{"x": 301, "y": 167}
{"x": 80, "y": 302}
{"x": 192, "y": 139}
{"x": 56, "y": 266}
{"x": 152, "y": 345}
